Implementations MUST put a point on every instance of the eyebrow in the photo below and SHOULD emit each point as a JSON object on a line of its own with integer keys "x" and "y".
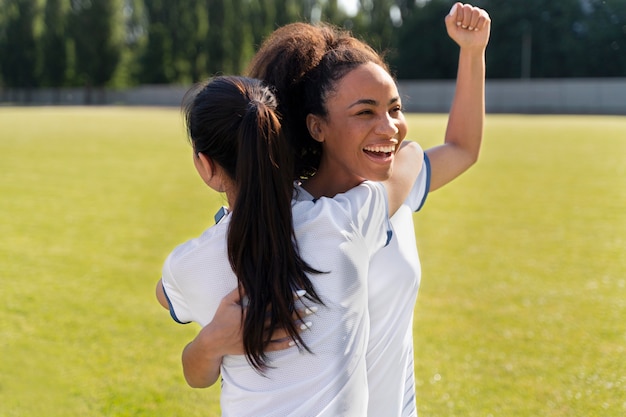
{"x": 371, "y": 102}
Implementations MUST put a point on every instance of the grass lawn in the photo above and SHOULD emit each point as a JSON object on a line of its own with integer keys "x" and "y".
{"x": 523, "y": 298}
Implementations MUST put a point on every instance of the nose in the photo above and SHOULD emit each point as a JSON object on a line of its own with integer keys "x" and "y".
{"x": 387, "y": 126}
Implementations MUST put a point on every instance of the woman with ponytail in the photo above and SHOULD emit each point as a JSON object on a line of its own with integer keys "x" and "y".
{"x": 283, "y": 258}
{"x": 308, "y": 65}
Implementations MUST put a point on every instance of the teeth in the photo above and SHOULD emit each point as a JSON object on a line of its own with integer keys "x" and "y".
{"x": 381, "y": 148}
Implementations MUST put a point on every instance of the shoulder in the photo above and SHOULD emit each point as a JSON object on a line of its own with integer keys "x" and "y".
{"x": 211, "y": 240}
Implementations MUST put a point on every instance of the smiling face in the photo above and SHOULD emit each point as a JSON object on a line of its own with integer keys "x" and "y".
{"x": 362, "y": 129}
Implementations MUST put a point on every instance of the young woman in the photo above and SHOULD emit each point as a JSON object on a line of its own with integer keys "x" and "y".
{"x": 306, "y": 64}
{"x": 284, "y": 257}
{"x": 300, "y": 60}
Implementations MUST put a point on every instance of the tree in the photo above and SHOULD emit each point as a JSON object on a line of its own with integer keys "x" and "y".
{"x": 95, "y": 27}
{"x": 603, "y": 31}
{"x": 54, "y": 45}
{"x": 191, "y": 29}
{"x": 380, "y": 27}
{"x": 536, "y": 35}
{"x": 288, "y": 11}
{"x": 530, "y": 38}
{"x": 156, "y": 61}
{"x": 218, "y": 41}
{"x": 423, "y": 49}
{"x": 18, "y": 47}
{"x": 261, "y": 18}
{"x": 241, "y": 37}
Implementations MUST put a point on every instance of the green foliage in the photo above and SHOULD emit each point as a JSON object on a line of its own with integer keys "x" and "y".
{"x": 95, "y": 27}
{"x": 569, "y": 38}
{"x": 18, "y": 49}
{"x": 373, "y": 23}
{"x": 156, "y": 61}
{"x": 424, "y": 50}
{"x": 54, "y": 45}
{"x": 520, "y": 310}
{"x": 127, "y": 42}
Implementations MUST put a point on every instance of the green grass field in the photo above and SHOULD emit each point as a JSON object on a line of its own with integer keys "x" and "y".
{"x": 523, "y": 299}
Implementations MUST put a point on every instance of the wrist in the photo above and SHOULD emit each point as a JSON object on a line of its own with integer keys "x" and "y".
{"x": 208, "y": 342}
{"x": 473, "y": 51}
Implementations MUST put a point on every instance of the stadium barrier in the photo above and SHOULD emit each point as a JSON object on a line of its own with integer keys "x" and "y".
{"x": 534, "y": 96}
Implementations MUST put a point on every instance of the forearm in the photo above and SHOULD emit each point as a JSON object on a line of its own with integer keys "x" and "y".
{"x": 469, "y": 27}
{"x": 201, "y": 363}
{"x": 467, "y": 113}
{"x": 465, "y": 123}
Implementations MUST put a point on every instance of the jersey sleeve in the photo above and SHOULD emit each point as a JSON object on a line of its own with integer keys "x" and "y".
{"x": 179, "y": 309}
{"x": 369, "y": 211}
{"x": 419, "y": 192}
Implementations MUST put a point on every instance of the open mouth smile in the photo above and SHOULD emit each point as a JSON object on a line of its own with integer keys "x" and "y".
{"x": 380, "y": 151}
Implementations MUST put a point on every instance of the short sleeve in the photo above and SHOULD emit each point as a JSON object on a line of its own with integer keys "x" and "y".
{"x": 369, "y": 211}
{"x": 179, "y": 310}
{"x": 421, "y": 187}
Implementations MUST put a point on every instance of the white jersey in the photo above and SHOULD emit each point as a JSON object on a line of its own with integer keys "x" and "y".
{"x": 338, "y": 236}
{"x": 393, "y": 282}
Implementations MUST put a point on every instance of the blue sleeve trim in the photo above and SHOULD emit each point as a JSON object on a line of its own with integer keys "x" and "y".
{"x": 389, "y": 236}
{"x": 426, "y": 191}
{"x": 172, "y": 313}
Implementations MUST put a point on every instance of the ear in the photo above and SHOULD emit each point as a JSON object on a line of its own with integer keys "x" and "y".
{"x": 204, "y": 166}
{"x": 314, "y": 124}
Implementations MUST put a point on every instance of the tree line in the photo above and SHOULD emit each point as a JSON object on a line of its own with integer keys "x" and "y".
{"x": 120, "y": 43}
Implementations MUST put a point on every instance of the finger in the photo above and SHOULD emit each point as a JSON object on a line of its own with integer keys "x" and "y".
{"x": 307, "y": 311}
{"x": 457, "y": 13}
{"x": 484, "y": 20}
{"x": 454, "y": 10}
{"x": 301, "y": 326}
{"x": 304, "y": 325}
{"x": 279, "y": 335}
{"x": 280, "y": 344}
{"x": 465, "y": 16}
{"x": 480, "y": 23}
{"x": 475, "y": 16}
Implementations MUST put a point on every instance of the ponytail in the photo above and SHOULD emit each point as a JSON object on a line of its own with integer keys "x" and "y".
{"x": 239, "y": 114}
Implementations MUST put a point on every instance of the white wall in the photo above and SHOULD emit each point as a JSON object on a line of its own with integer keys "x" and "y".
{"x": 568, "y": 96}
{"x": 577, "y": 96}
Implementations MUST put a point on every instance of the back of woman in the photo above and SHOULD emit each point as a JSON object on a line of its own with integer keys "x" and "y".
{"x": 324, "y": 372}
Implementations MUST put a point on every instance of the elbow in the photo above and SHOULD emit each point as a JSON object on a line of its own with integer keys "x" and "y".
{"x": 199, "y": 380}
{"x": 160, "y": 295}
{"x": 472, "y": 159}
{"x": 198, "y": 384}
{"x": 470, "y": 156}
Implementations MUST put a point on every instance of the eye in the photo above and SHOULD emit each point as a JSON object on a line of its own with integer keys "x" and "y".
{"x": 364, "y": 112}
{"x": 395, "y": 110}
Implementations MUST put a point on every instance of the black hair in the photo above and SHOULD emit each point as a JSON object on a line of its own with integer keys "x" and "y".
{"x": 303, "y": 63}
{"x": 233, "y": 121}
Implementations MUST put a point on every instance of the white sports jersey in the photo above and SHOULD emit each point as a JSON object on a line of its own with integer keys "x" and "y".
{"x": 393, "y": 282}
{"x": 337, "y": 235}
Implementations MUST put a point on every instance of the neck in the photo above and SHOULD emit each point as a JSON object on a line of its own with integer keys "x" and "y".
{"x": 231, "y": 197}
{"x": 327, "y": 184}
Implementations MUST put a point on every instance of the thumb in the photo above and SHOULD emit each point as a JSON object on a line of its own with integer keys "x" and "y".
{"x": 233, "y": 297}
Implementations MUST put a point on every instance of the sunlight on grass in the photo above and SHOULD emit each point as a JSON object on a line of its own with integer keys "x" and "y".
{"x": 95, "y": 200}
{"x": 524, "y": 274}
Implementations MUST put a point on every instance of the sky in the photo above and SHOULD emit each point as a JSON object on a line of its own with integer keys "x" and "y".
{"x": 350, "y": 6}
